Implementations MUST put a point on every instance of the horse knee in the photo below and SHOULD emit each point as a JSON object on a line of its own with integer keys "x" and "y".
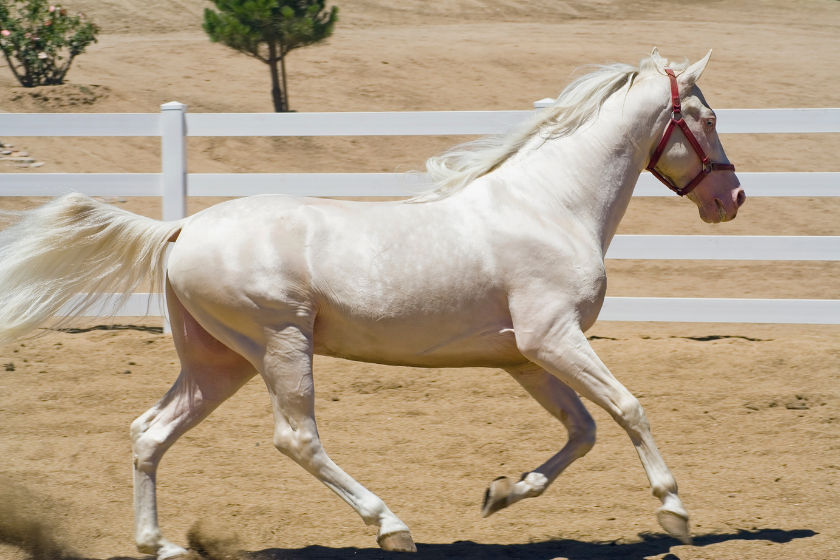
{"x": 630, "y": 415}
{"x": 297, "y": 442}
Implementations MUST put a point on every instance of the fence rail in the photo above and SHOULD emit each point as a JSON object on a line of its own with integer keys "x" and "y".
{"x": 806, "y": 184}
{"x": 173, "y": 125}
{"x": 677, "y": 310}
{"x": 408, "y": 123}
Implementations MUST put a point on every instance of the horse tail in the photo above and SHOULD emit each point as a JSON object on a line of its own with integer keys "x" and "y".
{"x": 76, "y": 252}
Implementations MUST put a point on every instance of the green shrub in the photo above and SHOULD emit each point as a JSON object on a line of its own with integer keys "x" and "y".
{"x": 40, "y": 40}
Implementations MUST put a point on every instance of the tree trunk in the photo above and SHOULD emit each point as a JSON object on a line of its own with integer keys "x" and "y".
{"x": 283, "y": 68}
{"x": 277, "y": 96}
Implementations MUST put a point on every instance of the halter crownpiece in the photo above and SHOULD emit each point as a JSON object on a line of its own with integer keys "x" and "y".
{"x": 677, "y": 121}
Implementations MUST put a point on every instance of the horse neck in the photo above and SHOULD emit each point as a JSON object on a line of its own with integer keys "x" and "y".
{"x": 589, "y": 177}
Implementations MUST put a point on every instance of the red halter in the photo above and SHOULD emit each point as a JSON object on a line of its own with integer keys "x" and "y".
{"x": 677, "y": 120}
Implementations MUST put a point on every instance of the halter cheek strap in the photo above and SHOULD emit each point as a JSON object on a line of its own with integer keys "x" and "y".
{"x": 677, "y": 121}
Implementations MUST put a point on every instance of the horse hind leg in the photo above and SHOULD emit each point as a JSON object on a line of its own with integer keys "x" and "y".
{"x": 210, "y": 374}
{"x": 564, "y": 404}
{"x": 288, "y": 375}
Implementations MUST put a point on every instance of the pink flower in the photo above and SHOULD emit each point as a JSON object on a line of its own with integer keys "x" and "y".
{"x": 5, "y": 33}
{"x": 52, "y": 9}
{"x": 48, "y": 23}
{"x": 27, "y": 35}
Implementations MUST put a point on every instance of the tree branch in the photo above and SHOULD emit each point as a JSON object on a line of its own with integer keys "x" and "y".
{"x": 254, "y": 55}
{"x": 12, "y": 67}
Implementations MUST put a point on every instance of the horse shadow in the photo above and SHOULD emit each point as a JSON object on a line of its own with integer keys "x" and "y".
{"x": 649, "y": 545}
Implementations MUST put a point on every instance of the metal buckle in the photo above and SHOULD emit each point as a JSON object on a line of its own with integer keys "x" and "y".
{"x": 708, "y": 167}
{"x": 676, "y": 115}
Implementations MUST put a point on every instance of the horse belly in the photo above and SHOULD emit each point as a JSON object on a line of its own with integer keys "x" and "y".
{"x": 418, "y": 343}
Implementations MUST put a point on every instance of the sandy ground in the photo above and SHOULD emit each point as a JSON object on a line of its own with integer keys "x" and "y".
{"x": 757, "y": 476}
{"x": 760, "y": 480}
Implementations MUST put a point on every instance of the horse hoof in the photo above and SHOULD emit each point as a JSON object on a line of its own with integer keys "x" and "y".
{"x": 676, "y": 524}
{"x": 400, "y": 541}
{"x": 185, "y": 555}
{"x": 496, "y": 496}
{"x": 170, "y": 551}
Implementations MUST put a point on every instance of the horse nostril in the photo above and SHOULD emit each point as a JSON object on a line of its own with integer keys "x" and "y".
{"x": 740, "y": 197}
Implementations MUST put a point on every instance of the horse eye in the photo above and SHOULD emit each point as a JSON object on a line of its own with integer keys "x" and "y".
{"x": 710, "y": 123}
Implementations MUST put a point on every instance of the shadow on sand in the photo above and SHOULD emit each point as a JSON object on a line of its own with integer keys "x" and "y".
{"x": 141, "y": 328}
{"x": 650, "y": 545}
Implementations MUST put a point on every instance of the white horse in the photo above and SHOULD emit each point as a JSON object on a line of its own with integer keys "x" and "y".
{"x": 502, "y": 265}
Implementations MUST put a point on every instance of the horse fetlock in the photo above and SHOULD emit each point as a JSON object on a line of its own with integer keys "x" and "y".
{"x": 665, "y": 488}
{"x": 170, "y": 551}
{"x": 147, "y": 539}
{"x": 374, "y": 515}
{"x": 671, "y": 502}
{"x": 374, "y": 512}
{"x": 531, "y": 485}
{"x": 503, "y": 492}
{"x": 389, "y": 525}
{"x": 152, "y": 542}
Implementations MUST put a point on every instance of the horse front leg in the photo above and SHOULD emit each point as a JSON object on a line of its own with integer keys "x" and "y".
{"x": 564, "y": 404}
{"x": 287, "y": 372}
{"x": 562, "y": 349}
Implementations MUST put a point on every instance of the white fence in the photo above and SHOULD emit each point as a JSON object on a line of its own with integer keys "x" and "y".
{"x": 173, "y": 125}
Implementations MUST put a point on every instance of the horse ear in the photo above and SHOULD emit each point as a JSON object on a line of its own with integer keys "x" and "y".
{"x": 658, "y": 60}
{"x": 689, "y": 77}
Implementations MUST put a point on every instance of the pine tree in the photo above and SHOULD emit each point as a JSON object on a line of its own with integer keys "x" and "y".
{"x": 267, "y": 30}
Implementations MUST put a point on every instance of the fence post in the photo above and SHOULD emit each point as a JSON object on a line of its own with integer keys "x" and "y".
{"x": 543, "y": 103}
{"x": 173, "y": 159}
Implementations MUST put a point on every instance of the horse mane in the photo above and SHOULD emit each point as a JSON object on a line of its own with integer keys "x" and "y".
{"x": 577, "y": 105}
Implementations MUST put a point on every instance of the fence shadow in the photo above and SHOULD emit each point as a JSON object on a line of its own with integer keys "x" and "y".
{"x": 650, "y": 545}
{"x": 141, "y": 328}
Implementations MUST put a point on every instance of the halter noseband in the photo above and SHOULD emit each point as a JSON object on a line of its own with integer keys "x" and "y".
{"x": 677, "y": 120}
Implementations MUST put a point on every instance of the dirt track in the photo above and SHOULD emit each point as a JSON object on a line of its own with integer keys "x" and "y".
{"x": 428, "y": 441}
{"x": 759, "y": 478}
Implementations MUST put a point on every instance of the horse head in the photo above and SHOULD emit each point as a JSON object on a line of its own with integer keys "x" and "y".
{"x": 691, "y": 160}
